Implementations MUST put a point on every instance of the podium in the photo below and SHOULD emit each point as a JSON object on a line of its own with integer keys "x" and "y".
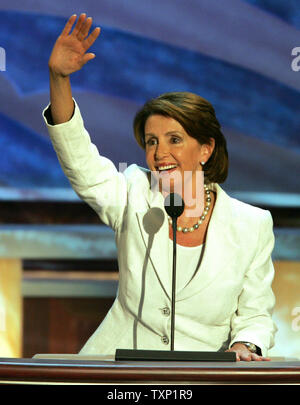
{"x": 77, "y": 369}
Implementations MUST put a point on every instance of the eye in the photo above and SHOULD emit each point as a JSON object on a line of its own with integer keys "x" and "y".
{"x": 175, "y": 139}
{"x": 151, "y": 141}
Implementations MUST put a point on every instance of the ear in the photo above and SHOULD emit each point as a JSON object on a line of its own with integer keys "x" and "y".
{"x": 207, "y": 150}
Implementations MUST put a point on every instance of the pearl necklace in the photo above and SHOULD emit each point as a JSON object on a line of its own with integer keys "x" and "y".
{"x": 202, "y": 218}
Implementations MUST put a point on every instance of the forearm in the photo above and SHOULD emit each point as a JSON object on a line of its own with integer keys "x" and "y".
{"x": 93, "y": 177}
{"x": 62, "y": 104}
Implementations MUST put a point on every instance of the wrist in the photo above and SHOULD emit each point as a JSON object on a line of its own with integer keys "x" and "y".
{"x": 250, "y": 346}
{"x": 54, "y": 74}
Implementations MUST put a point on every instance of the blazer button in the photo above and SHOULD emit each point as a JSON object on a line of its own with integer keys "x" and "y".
{"x": 165, "y": 340}
{"x": 166, "y": 311}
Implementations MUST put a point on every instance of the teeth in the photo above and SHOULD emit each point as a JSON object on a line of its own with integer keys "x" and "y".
{"x": 166, "y": 167}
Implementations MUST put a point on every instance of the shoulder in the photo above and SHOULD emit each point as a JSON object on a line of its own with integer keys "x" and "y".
{"x": 250, "y": 226}
{"x": 253, "y": 222}
{"x": 134, "y": 172}
{"x": 242, "y": 209}
{"x": 244, "y": 213}
{"x": 138, "y": 178}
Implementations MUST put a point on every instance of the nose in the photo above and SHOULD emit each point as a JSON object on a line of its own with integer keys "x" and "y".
{"x": 161, "y": 151}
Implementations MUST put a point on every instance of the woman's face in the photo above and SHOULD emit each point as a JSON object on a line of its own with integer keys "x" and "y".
{"x": 172, "y": 154}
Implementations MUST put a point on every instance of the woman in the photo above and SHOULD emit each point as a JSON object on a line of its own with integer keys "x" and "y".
{"x": 224, "y": 299}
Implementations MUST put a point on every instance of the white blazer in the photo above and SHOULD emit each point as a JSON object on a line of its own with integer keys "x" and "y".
{"x": 228, "y": 299}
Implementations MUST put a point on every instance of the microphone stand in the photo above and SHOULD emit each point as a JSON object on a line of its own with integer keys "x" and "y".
{"x": 174, "y": 228}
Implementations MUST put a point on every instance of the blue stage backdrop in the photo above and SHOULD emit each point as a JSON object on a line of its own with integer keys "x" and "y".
{"x": 235, "y": 53}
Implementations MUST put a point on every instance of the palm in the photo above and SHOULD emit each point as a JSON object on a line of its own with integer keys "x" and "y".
{"x": 68, "y": 55}
{"x": 69, "y": 52}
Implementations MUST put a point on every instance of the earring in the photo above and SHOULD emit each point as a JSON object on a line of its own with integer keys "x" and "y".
{"x": 203, "y": 163}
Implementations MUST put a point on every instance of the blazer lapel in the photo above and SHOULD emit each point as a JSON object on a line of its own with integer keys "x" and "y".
{"x": 220, "y": 247}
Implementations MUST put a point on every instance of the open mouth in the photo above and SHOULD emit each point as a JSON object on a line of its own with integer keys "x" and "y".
{"x": 166, "y": 169}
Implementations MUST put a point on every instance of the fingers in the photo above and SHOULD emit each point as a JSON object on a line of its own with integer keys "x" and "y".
{"x": 79, "y": 24}
{"x": 256, "y": 357}
{"x": 69, "y": 25}
{"x": 83, "y": 33}
{"x": 82, "y": 27}
{"x": 251, "y": 357}
{"x": 92, "y": 37}
{"x": 87, "y": 57}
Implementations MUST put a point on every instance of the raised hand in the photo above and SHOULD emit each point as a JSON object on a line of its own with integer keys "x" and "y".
{"x": 69, "y": 52}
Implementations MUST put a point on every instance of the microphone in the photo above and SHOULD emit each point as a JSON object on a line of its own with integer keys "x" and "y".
{"x": 174, "y": 206}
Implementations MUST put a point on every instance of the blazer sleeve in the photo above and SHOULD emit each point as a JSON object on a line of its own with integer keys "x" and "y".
{"x": 252, "y": 322}
{"x": 93, "y": 177}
